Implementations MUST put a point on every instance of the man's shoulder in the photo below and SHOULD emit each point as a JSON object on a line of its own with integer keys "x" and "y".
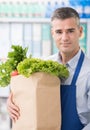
{"x": 87, "y": 62}
{"x": 87, "y": 59}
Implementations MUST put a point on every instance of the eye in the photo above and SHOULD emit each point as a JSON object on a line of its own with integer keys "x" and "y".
{"x": 58, "y": 32}
{"x": 71, "y": 30}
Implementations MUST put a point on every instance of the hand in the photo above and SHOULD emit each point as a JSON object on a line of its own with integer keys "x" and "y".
{"x": 13, "y": 110}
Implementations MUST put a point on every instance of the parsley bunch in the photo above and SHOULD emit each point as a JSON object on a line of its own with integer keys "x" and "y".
{"x": 16, "y": 55}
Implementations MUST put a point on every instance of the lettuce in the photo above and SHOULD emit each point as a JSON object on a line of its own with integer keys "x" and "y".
{"x": 31, "y": 65}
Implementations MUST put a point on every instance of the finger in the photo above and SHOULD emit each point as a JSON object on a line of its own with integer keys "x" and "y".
{"x": 13, "y": 111}
{"x": 10, "y": 103}
{"x": 13, "y": 117}
{"x": 12, "y": 106}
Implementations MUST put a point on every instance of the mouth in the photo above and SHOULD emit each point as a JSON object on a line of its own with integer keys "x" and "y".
{"x": 65, "y": 44}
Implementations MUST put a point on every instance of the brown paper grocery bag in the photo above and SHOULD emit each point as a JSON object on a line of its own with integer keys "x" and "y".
{"x": 38, "y": 98}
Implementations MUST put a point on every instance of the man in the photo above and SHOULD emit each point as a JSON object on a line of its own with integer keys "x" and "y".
{"x": 75, "y": 91}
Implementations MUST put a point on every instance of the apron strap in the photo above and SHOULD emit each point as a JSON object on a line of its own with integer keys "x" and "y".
{"x": 78, "y": 68}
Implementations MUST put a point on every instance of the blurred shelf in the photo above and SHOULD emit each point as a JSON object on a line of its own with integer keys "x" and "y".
{"x": 25, "y": 20}
{"x": 31, "y": 20}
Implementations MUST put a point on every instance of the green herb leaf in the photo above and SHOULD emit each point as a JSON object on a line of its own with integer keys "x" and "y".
{"x": 16, "y": 55}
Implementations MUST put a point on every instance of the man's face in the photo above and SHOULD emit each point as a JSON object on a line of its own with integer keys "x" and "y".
{"x": 66, "y": 34}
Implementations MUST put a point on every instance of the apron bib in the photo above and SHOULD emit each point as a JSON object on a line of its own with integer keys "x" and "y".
{"x": 70, "y": 118}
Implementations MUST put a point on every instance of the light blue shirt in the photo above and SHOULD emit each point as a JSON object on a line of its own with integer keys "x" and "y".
{"x": 83, "y": 86}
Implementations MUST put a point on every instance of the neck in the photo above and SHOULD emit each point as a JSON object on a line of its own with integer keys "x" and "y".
{"x": 65, "y": 57}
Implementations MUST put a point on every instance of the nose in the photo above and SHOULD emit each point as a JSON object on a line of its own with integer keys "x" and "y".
{"x": 65, "y": 36}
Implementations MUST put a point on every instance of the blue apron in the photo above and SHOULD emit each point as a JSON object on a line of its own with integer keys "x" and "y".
{"x": 70, "y": 118}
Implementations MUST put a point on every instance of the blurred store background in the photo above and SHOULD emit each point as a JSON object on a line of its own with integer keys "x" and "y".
{"x": 27, "y": 23}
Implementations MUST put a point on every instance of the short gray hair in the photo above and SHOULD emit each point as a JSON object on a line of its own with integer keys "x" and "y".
{"x": 64, "y": 13}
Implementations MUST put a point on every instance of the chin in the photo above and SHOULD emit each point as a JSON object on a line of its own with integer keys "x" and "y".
{"x": 65, "y": 50}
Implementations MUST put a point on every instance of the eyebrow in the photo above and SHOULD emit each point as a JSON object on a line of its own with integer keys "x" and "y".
{"x": 69, "y": 29}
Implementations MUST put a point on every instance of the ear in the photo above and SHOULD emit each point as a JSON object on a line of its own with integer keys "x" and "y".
{"x": 81, "y": 31}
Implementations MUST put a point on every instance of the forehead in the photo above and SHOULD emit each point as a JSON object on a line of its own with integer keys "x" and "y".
{"x": 64, "y": 24}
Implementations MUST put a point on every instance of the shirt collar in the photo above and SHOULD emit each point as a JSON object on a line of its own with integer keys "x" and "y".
{"x": 71, "y": 63}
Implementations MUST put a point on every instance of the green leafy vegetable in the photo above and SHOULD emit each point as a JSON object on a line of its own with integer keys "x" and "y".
{"x": 31, "y": 65}
{"x": 16, "y": 55}
{"x": 18, "y": 61}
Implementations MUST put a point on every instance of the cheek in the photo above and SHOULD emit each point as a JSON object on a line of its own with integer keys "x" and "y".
{"x": 74, "y": 38}
{"x": 58, "y": 43}
{"x": 56, "y": 38}
{"x": 78, "y": 34}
